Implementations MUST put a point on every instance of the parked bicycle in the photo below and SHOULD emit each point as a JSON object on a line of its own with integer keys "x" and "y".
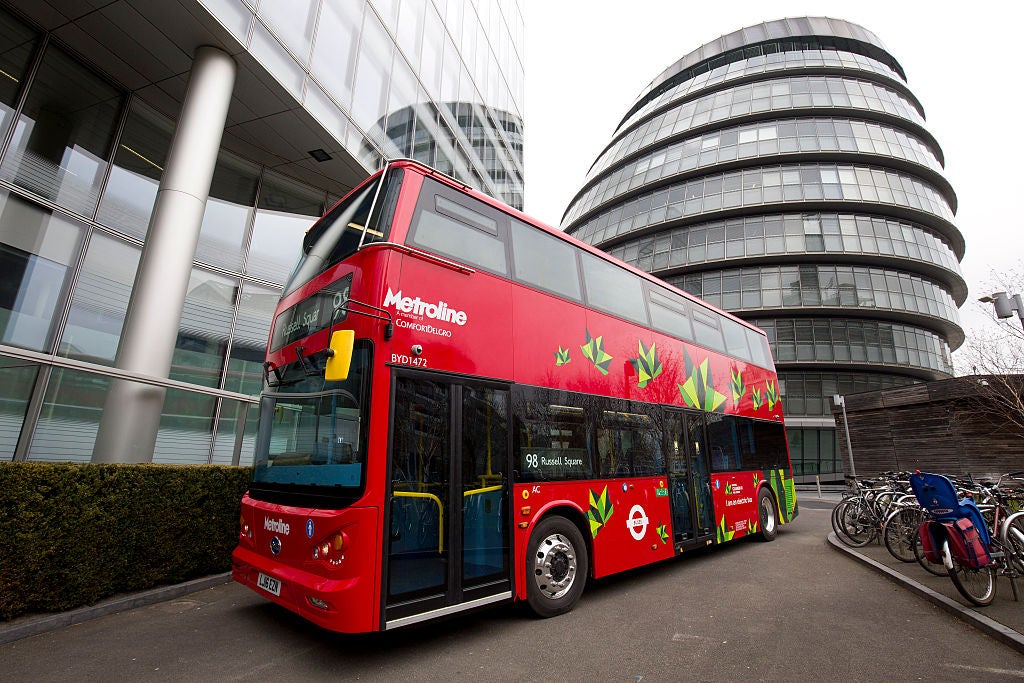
{"x": 974, "y": 542}
{"x": 861, "y": 516}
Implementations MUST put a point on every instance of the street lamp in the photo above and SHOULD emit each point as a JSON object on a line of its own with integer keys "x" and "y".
{"x": 841, "y": 401}
{"x": 1005, "y": 305}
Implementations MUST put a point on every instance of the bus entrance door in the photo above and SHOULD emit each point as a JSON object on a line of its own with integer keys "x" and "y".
{"x": 688, "y": 480}
{"x": 448, "y": 548}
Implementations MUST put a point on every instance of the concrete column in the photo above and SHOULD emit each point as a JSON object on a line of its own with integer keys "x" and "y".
{"x": 131, "y": 415}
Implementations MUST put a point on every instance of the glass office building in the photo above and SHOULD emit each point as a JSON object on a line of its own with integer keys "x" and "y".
{"x": 784, "y": 173}
{"x": 111, "y": 115}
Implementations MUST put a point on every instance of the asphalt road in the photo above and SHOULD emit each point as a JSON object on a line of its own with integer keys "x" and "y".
{"x": 791, "y": 610}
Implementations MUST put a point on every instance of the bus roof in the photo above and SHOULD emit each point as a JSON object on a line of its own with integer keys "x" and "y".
{"x": 423, "y": 169}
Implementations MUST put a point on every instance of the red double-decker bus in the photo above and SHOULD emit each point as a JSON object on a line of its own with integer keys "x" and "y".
{"x": 464, "y": 406}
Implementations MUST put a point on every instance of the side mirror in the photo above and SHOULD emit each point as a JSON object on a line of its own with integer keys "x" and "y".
{"x": 340, "y": 355}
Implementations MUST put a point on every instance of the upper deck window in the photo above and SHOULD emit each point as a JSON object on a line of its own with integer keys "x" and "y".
{"x": 668, "y": 315}
{"x": 446, "y": 226}
{"x": 708, "y": 333}
{"x": 544, "y": 261}
{"x": 614, "y": 290}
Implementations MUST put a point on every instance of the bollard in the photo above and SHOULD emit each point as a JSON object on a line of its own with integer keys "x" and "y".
{"x": 817, "y": 482}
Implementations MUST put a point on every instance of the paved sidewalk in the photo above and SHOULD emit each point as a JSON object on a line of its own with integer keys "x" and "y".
{"x": 34, "y": 624}
{"x": 1003, "y": 619}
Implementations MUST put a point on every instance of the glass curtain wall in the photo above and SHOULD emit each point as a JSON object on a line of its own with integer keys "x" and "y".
{"x": 78, "y": 179}
{"x": 784, "y": 173}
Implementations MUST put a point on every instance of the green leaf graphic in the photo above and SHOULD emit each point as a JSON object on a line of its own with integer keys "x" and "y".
{"x": 561, "y": 356}
{"x": 723, "y": 534}
{"x": 647, "y": 365}
{"x": 772, "y": 394}
{"x": 600, "y": 511}
{"x": 699, "y": 389}
{"x": 737, "y": 385}
{"x": 790, "y": 486}
{"x": 755, "y": 395}
{"x": 593, "y": 350}
{"x": 663, "y": 534}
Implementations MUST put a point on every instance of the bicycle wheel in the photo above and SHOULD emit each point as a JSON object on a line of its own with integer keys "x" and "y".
{"x": 900, "y": 533}
{"x": 853, "y": 524}
{"x": 977, "y": 585}
{"x": 1014, "y": 547}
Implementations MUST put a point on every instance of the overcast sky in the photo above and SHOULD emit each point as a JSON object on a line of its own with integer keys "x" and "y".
{"x": 586, "y": 63}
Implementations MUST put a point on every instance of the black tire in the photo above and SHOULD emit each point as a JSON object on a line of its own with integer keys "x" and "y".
{"x": 900, "y": 533}
{"x": 977, "y": 585}
{"x": 768, "y": 516}
{"x": 556, "y": 567}
{"x": 1014, "y": 547}
{"x": 852, "y": 523}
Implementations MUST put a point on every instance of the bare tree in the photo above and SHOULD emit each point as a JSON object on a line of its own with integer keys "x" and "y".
{"x": 994, "y": 358}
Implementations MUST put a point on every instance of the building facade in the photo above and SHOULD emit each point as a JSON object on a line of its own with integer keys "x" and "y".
{"x": 159, "y": 165}
{"x": 784, "y": 173}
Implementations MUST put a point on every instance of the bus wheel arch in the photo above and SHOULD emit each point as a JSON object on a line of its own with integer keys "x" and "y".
{"x": 767, "y": 514}
{"x": 557, "y": 563}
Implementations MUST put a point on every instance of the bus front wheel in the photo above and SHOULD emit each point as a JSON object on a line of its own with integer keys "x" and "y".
{"x": 556, "y": 567}
{"x": 768, "y": 518}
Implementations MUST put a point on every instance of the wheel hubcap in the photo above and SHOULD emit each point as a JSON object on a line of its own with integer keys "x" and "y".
{"x": 768, "y": 514}
{"x": 554, "y": 567}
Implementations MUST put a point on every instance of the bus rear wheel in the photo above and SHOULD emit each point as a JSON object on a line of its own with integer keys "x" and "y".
{"x": 768, "y": 518}
{"x": 556, "y": 567}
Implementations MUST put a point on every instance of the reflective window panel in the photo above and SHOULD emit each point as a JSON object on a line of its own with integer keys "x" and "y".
{"x": 204, "y": 330}
{"x": 186, "y": 429}
{"x": 810, "y": 393}
{"x": 62, "y": 139}
{"x": 17, "y": 46}
{"x": 764, "y": 139}
{"x": 227, "y": 433}
{"x": 228, "y": 212}
{"x": 337, "y": 46}
{"x": 784, "y": 93}
{"x": 856, "y": 341}
{"x": 805, "y": 58}
{"x": 139, "y": 160}
{"x": 795, "y": 233}
{"x": 70, "y": 417}
{"x": 285, "y": 212}
{"x": 38, "y": 251}
{"x": 17, "y": 378}
{"x": 100, "y": 300}
{"x": 820, "y": 286}
{"x": 249, "y": 345}
{"x": 767, "y": 185}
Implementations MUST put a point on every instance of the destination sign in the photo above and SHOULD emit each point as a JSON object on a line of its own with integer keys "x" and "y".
{"x": 311, "y": 314}
{"x": 554, "y": 463}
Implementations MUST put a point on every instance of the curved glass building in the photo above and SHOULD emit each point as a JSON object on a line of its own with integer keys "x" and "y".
{"x": 784, "y": 173}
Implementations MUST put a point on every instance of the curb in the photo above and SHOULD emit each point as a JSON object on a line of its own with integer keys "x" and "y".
{"x": 998, "y": 631}
{"x": 35, "y": 625}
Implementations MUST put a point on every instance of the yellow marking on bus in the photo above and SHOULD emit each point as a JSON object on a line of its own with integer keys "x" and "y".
{"x": 487, "y": 489}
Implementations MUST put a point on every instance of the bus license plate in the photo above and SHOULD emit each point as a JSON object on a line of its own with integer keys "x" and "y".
{"x": 269, "y": 584}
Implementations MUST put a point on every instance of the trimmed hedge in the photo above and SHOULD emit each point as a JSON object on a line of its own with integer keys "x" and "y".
{"x": 75, "y": 534}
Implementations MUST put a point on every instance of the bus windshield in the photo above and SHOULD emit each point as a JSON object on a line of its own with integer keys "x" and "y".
{"x": 312, "y": 435}
{"x": 346, "y": 228}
